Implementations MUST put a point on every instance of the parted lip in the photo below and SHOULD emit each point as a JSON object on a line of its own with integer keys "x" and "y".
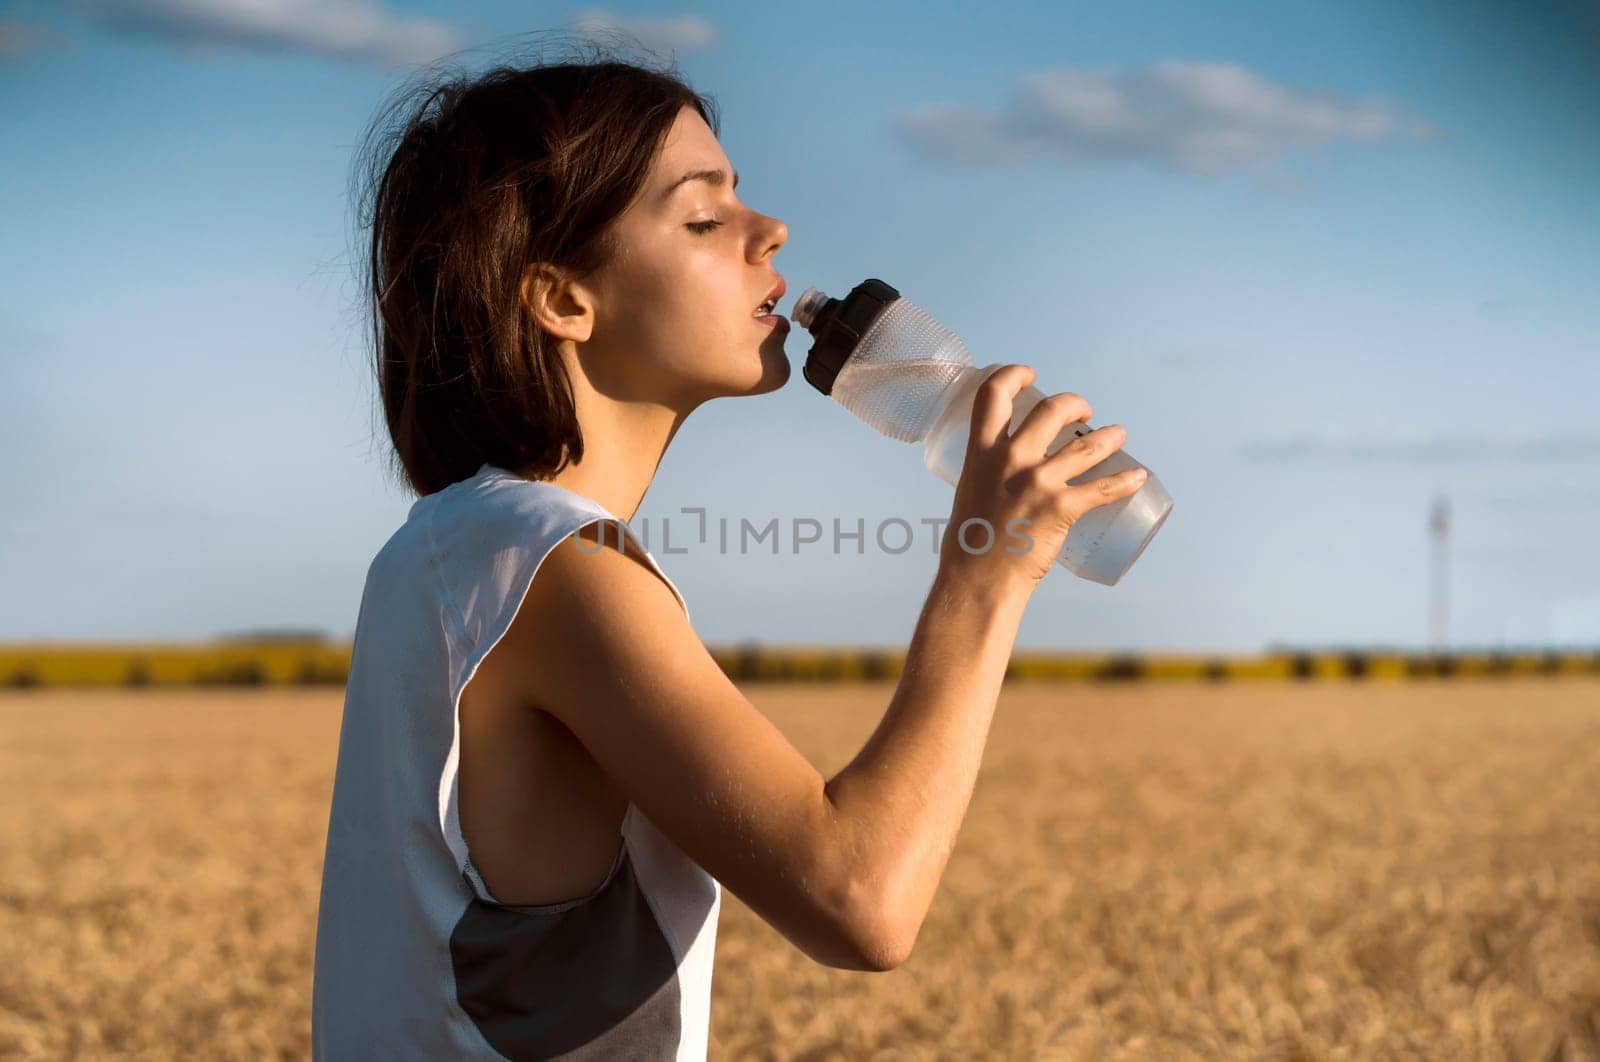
{"x": 774, "y": 295}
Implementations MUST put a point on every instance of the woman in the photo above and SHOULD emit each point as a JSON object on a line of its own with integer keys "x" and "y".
{"x": 543, "y": 783}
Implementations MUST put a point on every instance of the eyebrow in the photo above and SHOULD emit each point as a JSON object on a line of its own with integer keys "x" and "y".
{"x": 713, "y": 177}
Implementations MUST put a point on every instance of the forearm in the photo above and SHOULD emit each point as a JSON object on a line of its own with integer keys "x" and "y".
{"x": 899, "y": 804}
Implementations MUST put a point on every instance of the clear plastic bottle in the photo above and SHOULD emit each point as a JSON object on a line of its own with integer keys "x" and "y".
{"x": 885, "y": 360}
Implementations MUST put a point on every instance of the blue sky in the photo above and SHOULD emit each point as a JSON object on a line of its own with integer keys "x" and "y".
{"x": 1333, "y": 259}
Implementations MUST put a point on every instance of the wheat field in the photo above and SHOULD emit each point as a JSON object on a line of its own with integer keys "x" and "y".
{"x": 1275, "y": 870}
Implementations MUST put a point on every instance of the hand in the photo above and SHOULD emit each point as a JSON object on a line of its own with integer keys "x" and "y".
{"x": 1013, "y": 500}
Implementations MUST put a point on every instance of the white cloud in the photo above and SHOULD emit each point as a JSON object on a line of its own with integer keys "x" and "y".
{"x": 676, "y": 33}
{"x": 1391, "y": 445}
{"x": 1190, "y": 117}
{"x": 346, "y": 29}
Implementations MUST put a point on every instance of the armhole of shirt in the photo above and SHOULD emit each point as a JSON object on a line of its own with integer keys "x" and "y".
{"x": 449, "y": 787}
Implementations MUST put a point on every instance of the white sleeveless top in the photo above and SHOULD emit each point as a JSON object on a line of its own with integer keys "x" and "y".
{"x": 415, "y": 959}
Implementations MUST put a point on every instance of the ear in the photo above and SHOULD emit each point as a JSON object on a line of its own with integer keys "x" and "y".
{"x": 561, "y": 306}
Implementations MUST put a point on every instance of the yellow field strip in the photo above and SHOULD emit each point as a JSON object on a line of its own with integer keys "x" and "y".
{"x": 316, "y": 663}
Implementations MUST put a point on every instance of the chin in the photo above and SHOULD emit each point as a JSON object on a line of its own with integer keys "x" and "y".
{"x": 767, "y": 371}
{"x": 775, "y": 370}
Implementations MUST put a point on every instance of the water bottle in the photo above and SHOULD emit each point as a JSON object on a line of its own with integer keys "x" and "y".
{"x": 889, "y": 363}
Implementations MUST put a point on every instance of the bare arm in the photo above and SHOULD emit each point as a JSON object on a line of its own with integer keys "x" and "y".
{"x": 902, "y": 800}
{"x": 846, "y": 869}
{"x": 904, "y": 796}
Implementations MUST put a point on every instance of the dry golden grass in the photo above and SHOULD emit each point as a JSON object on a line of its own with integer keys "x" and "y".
{"x": 1274, "y": 871}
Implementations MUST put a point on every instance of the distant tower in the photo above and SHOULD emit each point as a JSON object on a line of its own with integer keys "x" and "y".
{"x": 1438, "y": 586}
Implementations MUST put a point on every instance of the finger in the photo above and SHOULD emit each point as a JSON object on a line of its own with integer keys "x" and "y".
{"x": 1108, "y": 488}
{"x": 1086, "y": 451}
{"x": 991, "y": 406}
{"x": 1044, "y": 423}
{"x": 1120, "y": 483}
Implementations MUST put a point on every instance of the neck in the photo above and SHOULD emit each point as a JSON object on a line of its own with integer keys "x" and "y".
{"x": 624, "y": 439}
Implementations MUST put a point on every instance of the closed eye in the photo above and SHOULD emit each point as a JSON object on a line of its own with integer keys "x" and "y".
{"x": 702, "y": 227}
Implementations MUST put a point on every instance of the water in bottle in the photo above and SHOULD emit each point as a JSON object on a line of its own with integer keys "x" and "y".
{"x": 895, "y": 367}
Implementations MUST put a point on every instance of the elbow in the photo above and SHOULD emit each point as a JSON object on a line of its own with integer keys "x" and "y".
{"x": 878, "y": 938}
{"x": 870, "y": 930}
{"x": 885, "y": 951}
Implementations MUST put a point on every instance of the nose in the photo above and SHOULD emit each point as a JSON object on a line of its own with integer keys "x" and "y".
{"x": 770, "y": 235}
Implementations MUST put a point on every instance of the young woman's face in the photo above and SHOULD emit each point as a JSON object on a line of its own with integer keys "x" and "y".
{"x": 676, "y": 313}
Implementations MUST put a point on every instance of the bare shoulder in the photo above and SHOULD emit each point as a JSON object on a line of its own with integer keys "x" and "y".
{"x": 597, "y": 601}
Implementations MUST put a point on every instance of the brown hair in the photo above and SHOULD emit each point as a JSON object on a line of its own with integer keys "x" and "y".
{"x": 467, "y": 182}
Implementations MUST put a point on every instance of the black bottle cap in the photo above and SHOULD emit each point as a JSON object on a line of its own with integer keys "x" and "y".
{"x": 839, "y": 326}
